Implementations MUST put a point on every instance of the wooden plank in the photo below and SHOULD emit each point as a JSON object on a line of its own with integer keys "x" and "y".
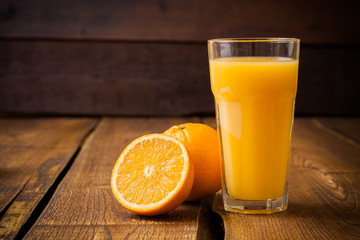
{"x": 317, "y": 148}
{"x": 104, "y": 78}
{"x": 83, "y": 205}
{"x": 210, "y": 120}
{"x": 180, "y": 20}
{"x": 323, "y": 192}
{"x": 33, "y": 153}
{"x": 348, "y": 127}
{"x": 327, "y": 81}
{"x": 309, "y": 216}
{"x": 151, "y": 78}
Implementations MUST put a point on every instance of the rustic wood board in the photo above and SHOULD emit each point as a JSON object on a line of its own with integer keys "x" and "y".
{"x": 313, "y": 22}
{"x": 210, "y": 120}
{"x": 83, "y": 205}
{"x": 349, "y": 127}
{"x": 69, "y": 77}
{"x": 104, "y": 78}
{"x": 324, "y": 191}
{"x": 33, "y": 153}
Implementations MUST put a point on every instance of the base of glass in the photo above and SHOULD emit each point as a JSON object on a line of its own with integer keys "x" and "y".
{"x": 268, "y": 206}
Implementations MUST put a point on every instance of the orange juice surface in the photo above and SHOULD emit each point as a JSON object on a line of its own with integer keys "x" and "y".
{"x": 254, "y": 99}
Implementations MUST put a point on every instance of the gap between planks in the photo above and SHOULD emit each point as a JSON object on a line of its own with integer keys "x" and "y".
{"x": 208, "y": 224}
{"x": 50, "y": 192}
{"x": 2, "y": 213}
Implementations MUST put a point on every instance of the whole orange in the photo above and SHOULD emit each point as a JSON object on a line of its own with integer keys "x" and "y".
{"x": 201, "y": 141}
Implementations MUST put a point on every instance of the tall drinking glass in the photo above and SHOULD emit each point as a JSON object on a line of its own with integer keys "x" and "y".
{"x": 254, "y": 83}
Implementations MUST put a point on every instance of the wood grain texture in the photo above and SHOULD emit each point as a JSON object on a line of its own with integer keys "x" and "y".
{"x": 316, "y": 147}
{"x": 152, "y": 79}
{"x": 324, "y": 191}
{"x": 104, "y": 78}
{"x": 33, "y": 152}
{"x": 210, "y": 120}
{"x": 350, "y": 128}
{"x": 83, "y": 205}
{"x": 313, "y": 22}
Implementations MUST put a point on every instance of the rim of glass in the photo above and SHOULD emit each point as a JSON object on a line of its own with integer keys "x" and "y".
{"x": 255, "y": 39}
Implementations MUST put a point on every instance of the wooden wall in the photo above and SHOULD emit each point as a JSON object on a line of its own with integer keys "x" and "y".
{"x": 149, "y": 57}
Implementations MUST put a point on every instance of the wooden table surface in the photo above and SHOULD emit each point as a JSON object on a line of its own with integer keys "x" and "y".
{"x": 55, "y": 184}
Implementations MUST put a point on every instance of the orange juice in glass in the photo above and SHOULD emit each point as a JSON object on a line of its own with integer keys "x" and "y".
{"x": 254, "y": 83}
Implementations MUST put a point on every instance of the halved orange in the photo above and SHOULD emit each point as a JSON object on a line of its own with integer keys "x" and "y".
{"x": 153, "y": 175}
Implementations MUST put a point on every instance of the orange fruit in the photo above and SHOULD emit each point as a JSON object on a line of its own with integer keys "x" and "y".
{"x": 201, "y": 142}
{"x": 153, "y": 175}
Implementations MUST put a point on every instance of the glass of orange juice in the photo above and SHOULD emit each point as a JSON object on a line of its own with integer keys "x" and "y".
{"x": 254, "y": 83}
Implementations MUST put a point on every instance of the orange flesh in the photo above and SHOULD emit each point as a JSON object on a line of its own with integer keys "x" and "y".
{"x": 161, "y": 165}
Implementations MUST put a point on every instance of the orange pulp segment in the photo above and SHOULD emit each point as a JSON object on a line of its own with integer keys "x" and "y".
{"x": 153, "y": 175}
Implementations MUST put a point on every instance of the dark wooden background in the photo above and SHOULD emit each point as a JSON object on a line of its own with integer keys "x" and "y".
{"x": 149, "y": 57}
